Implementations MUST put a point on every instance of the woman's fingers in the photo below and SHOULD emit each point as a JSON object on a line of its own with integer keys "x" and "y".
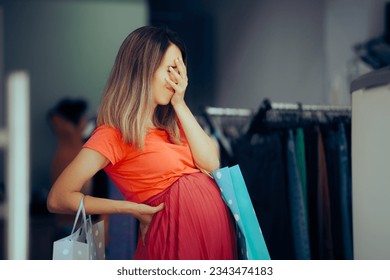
{"x": 180, "y": 74}
{"x": 159, "y": 207}
{"x": 181, "y": 67}
{"x": 180, "y": 86}
{"x": 147, "y": 217}
{"x": 174, "y": 73}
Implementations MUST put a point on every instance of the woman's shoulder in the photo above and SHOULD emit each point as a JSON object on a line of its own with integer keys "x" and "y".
{"x": 106, "y": 130}
{"x": 107, "y": 140}
{"x": 105, "y": 133}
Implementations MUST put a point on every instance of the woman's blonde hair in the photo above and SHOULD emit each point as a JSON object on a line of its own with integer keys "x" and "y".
{"x": 127, "y": 98}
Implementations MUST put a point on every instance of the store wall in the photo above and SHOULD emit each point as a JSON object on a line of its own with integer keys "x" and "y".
{"x": 272, "y": 49}
{"x": 291, "y": 51}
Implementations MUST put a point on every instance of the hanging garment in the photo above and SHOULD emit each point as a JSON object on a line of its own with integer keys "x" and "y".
{"x": 317, "y": 198}
{"x": 297, "y": 206}
{"x": 323, "y": 205}
{"x": 301, "y": 161}
{"x": 331, "y": 142}
{"x": 345, "y": 194}
{"x": 338, "y": 168}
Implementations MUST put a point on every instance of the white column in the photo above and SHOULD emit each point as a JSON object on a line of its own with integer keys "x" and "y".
{"x": 18, "y": 166}
{"x": 371, "y": 172}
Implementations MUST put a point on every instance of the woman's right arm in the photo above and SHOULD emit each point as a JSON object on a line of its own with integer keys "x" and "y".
{"x": 65, "y": 194}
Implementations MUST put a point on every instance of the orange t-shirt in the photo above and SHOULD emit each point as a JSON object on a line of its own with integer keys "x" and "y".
{"x": 138, "y": 174}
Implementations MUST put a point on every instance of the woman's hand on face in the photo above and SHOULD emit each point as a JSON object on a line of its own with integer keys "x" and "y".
{"x": 179, "y": 81}
{"x": 145, "y": 215}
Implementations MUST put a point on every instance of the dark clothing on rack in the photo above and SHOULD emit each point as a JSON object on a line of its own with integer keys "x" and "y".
{"x": 345, "y": 194}
{"x": 324, "y": 223}
{"x": 311, "y": 149}
{"x": 301, "y": 162}
{"x": 299, "y": 221}
{"x": 336, "y": 146}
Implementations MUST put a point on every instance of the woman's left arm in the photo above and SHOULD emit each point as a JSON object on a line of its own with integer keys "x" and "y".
{"x": 204, "y": 150}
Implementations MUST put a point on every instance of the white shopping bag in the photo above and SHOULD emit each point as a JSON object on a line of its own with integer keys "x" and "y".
{"x": 85, "y": 243}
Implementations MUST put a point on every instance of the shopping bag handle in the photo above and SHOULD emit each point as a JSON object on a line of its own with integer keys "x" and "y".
{"x": 82, "y": 211}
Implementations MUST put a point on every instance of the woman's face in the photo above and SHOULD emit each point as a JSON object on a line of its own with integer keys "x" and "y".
{"x": 161, "y": 90}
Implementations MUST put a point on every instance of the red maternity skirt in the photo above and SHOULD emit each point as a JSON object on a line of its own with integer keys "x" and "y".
{"x": 195, "y": 223}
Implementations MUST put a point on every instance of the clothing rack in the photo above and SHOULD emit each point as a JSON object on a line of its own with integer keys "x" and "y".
{"x": 229, "y": 112}
{"x": 278, "y": 115}
{"x": 304, "y": 107}
{"x": 211, "y": 113}
{"x": 271, "y": 115}
{"x": 242, "y": 112}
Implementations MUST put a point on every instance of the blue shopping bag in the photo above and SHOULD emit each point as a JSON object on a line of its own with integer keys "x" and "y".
{"x": 250, "y": 239}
